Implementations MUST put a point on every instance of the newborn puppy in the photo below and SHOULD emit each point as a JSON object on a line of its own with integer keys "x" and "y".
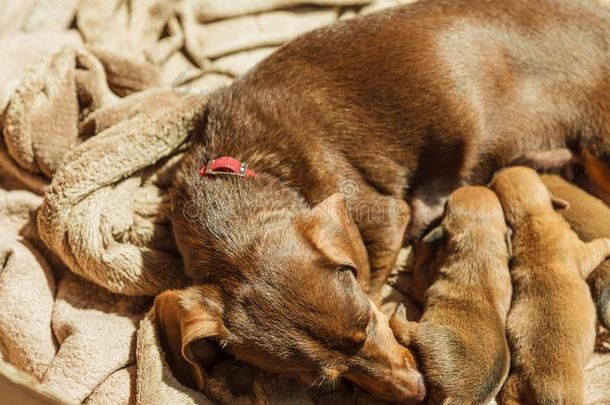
{"x": 461, "y": 335}
{"x": 589, "y": 218}
{"x": 551, "y": 324}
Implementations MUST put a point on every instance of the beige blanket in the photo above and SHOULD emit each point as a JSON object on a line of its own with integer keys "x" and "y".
{"x": 97, "y": 103}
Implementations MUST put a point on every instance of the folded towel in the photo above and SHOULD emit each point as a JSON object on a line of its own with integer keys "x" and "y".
{"x": 27, "y": 290}
{"x": 214, "y": 10}
{"x": 13, "y": 15}
{"x": 74, "y": 337}
{"x": 597, "y": 375}
{"x": 118, "y": 388}
{"x": 219, "y": 38}
{"x": 106, "y": 213}
{"x": 96, "y": 333}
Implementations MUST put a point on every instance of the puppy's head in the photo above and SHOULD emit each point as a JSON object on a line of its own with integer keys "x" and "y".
{"x": 472, "y": 208}
{"x": 521, "y": 191}
{"x": 473, "y": 223}
{"x": 291, "y": 305}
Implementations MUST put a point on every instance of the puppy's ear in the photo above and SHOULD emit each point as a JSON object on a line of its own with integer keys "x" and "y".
{"x": 559, "y": 203}
{"x": 435, "y": 236}
{"x": 188, "y": 320}
{"x": 331, "y": 230}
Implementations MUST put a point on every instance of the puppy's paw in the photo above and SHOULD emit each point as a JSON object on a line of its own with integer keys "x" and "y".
{"x": 602, "y": 340}
{"x": 403, "y": 329}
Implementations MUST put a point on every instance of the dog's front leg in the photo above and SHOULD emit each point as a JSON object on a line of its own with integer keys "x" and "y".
{"x": 382, "y": 221}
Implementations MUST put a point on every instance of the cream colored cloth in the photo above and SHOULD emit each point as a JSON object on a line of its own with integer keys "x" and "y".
{"x": 106, "y": 211}
{"x": 597, "y": 380}
{"x": 74, "y": 338}
{"x": 96, "y": 333}
{"x": 13, "y": 15}
{"x": 27, "y": 289}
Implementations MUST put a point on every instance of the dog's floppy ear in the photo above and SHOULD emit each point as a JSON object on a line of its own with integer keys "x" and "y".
{"x": 559, "y": 203}
{"x": 187, "y": 321}
{"x": 331, "y": 230}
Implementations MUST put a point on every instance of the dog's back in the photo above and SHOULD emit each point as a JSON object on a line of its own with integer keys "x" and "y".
{"x": 422, "y": 98}
{"x": 437, "y": 97}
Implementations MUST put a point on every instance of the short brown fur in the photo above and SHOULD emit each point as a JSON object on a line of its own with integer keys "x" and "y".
{"x": 551, "y": 324}
{"x": 589, "y": 217}
{"x": 396, "y": 110}
{"x": 460, "y": 338}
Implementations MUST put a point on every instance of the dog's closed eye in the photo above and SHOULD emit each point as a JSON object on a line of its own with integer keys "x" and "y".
{"x": 349, "y": 267}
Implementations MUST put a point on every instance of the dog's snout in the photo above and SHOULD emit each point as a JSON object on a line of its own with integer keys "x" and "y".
{"x": 416, "y": 386}
{"x": 408, "y": 382}
{"x": 396, "y": 379}
{"x": 397, "y": 386}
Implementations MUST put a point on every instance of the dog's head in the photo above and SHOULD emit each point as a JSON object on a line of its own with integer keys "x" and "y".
{"x": 292, "y": 305}
{"x": 521, "y": 190}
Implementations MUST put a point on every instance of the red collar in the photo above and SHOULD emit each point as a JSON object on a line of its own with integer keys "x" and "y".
{"x": 226, "y": 165}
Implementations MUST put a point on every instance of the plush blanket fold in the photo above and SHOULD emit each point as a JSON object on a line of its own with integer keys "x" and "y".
{"x": 105, "y": 216}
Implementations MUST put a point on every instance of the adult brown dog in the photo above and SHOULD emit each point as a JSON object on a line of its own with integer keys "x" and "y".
{"x": 461, "y": 338}
{"x": 551, "y": 323}
{"x": 404, "y": 105}
{"x": 589, "y": 217}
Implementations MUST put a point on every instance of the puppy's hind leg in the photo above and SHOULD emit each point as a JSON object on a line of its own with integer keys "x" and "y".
{"x": 592, "y": 254}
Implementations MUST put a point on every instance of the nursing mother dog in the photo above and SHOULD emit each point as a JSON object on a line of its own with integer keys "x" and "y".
{"x": 397, "y": 109}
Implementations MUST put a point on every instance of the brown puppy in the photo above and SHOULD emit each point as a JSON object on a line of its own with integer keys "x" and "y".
{"x": 551, "y": 324}
{"x": 590, "y": 219}
{"x": 405, "y": 105}
{"x": 461, "y": 336}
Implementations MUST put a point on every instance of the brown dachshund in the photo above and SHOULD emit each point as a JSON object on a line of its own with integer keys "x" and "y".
{"x": 394, "y": 110}
{"x": 461, "y": 336}
{"x": 590, "y": 219}
{"x": 551, "y": 324}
